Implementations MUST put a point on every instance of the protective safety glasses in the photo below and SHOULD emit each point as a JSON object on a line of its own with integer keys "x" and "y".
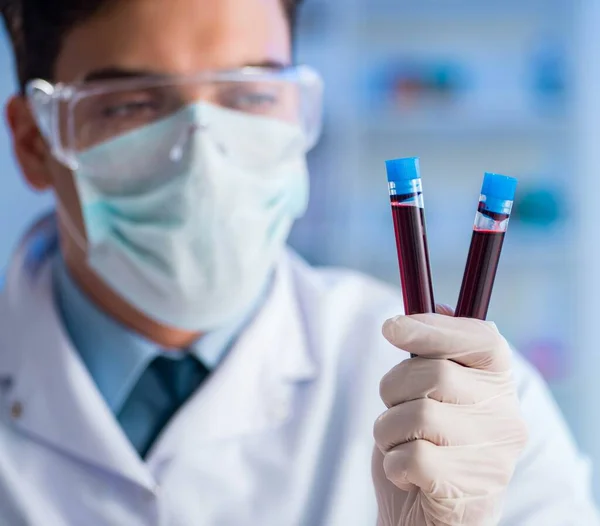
{"x": 77, "y": 118}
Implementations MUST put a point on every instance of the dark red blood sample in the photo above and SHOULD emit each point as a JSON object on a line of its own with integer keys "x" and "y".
{"x": 413, "y": 257}
{"x": 480, "y": 273}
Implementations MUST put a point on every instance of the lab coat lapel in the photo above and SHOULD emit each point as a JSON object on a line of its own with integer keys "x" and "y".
{"x": 53, "y": 398}
{"x": 253, "y": 389}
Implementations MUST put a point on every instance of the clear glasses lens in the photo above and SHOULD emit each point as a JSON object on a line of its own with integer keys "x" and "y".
{"x": 141, "y": 160}
{"x": 108, "y": 129}
{"x": 97, "y": 118}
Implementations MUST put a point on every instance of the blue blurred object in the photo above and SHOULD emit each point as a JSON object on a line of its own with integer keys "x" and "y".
{"x": 539, "y": 206}
{"x": 549, "y": 74}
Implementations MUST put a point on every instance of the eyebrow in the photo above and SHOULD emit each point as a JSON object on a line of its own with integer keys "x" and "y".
{"x": 113, "y": 72}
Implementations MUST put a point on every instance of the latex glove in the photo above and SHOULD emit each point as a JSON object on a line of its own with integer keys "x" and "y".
{"x": 448, "y": 444}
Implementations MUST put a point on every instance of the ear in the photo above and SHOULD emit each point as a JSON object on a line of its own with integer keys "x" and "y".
{"x": 29, "y": 146}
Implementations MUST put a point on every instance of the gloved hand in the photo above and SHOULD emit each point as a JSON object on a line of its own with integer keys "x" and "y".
{"x": 448, "y": 444}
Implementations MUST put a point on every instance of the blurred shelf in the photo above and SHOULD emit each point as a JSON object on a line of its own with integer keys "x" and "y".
{"x": 451, "y": 123}
{"x": 382, "y": 11}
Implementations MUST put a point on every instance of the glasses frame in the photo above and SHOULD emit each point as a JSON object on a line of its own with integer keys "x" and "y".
{"x": 45, "y": 99}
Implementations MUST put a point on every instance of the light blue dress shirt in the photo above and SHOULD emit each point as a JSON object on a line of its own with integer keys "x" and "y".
{"x": 116, "y": 356}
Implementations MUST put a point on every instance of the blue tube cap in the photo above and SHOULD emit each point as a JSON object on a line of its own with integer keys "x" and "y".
{"x": 500, "y": 187}
{"x": 400, "y": 171}
{"x": 499, "y": 192}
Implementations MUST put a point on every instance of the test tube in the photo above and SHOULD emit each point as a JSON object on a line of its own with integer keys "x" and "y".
{"x": 491, "y": 223}
{"x": 406, "y": 196}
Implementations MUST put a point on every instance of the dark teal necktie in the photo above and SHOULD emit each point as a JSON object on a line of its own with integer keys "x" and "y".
{"x": 163, "y": 388}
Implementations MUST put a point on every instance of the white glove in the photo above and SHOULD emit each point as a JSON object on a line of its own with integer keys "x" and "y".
{"x": 448, "y": 444}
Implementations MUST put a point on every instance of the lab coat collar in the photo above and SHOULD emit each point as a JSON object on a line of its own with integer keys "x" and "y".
{"x": 61, "y": 406}
{"x": 116, "y": 356}
{"x": 52, "y": 398}
{"x": 254, "y": 389}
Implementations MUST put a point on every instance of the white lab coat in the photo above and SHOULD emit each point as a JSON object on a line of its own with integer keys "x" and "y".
{"x": 280, "y": 435}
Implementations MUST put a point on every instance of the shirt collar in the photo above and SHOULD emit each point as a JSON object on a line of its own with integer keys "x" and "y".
{"x": 116, "y": 356}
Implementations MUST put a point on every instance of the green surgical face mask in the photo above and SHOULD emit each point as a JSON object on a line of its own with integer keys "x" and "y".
{"x": 191, "y": 240}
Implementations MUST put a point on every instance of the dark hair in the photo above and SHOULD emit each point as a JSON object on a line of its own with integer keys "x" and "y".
{"x": 36, "y": 29}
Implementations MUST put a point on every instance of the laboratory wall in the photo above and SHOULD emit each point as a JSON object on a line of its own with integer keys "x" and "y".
{"x": 507, "y": 86}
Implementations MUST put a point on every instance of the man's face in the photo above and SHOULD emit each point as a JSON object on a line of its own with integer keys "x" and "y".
{"x": 174, "y": 37}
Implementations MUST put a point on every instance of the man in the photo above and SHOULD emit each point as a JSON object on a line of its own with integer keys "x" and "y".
{"x": 165, "y": 361}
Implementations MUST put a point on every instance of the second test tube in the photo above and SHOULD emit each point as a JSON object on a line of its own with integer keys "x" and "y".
{"x": 491, "y": 222}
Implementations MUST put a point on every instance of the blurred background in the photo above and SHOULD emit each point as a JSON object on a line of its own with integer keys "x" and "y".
{"x": 508, "y": 86}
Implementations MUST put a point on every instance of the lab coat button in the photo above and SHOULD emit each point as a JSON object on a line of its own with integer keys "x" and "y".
{"x": 16, "y": 410}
